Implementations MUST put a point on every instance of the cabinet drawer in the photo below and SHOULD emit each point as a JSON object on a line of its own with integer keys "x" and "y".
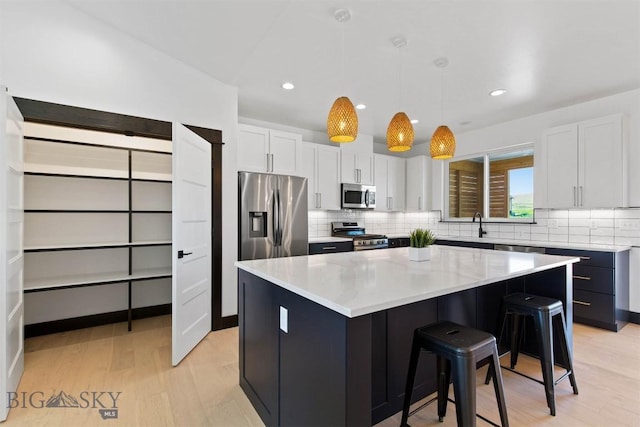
{"x": 592, "y": 258}
{"x": 594, "y": 279}
{"x": 329, "y": 247}
{"x": 594, "y": 306}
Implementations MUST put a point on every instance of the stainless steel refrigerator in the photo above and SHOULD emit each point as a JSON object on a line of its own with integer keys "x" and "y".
{"x": 273, "y": 218}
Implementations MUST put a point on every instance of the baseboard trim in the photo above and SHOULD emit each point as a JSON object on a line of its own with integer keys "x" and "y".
{"x": 64, "y": 325}
{"x": 634, "y": 317}
{"x": 230, "y": 321}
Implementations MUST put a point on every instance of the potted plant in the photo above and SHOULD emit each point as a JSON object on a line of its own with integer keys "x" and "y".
{"x": 419, "y": 242}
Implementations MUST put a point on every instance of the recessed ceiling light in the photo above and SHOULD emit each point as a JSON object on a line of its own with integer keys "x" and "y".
{"x": 465, "y": 123}
{"x": 498, "y": 92}
{"x": 287, "y": 85}
{"x": 360, "y": 107}
{"x": 414, "y": 121}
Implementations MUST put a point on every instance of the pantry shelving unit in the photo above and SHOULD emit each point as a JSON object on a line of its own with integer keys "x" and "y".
{"x": 95, "y": 215}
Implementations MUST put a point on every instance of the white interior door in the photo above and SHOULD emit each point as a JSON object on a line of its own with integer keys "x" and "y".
{"x": 11, "y": 250}
{"x": 191, "y": 236}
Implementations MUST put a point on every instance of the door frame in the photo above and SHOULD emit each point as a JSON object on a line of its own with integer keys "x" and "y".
{"x": 83, "y": 118}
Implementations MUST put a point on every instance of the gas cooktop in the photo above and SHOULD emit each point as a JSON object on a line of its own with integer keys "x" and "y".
{"x": 361, "y": 240}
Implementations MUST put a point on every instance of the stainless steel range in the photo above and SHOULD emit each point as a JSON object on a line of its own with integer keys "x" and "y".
{"x": 361, "y": 240}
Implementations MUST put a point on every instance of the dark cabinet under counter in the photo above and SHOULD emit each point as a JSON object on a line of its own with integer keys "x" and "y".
{"x": 330, "y": 247}
{"x": 601, "y": 287}
{"x": 398, "y": 242}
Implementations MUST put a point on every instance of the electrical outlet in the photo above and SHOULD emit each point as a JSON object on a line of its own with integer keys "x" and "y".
{"x": 284, "y": 319}
{"x": 594, "y": 224}
{"x": 553, "y": 223}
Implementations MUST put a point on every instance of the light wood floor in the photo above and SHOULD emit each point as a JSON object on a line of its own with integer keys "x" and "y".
{"x": 203, "y": 390}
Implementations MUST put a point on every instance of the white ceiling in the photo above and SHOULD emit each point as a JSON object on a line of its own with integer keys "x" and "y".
{"x": 546, "y": 53}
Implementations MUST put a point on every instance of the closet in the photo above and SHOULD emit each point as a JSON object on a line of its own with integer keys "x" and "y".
{"x": 98, "y": 217}
{"x": 97, "y": 223}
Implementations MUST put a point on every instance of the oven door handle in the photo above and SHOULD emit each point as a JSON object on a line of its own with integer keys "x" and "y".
{"x": 366, "y": 198}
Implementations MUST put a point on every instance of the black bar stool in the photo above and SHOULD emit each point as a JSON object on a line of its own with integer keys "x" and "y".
{"x": 544, "y": 312}
{"x": 458, "y": 350}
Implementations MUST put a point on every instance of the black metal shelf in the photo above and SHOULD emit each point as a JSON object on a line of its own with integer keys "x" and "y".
{"x": 53, "y": 284}
{"x": 88, "y": 246}
{"x": 96, "y": 177}
{"x": 94, "y": 211}
{"x": 88, "y": 144}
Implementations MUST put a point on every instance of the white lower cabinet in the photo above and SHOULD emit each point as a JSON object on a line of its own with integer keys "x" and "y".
{"x": 584, "y": 165}
{"x": 321, "y": 166}
{"x": 417, "y": 182}
{"x": 390, "y": 183}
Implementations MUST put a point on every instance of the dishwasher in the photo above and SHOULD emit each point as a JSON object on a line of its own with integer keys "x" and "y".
{"x": 519, "y": 248}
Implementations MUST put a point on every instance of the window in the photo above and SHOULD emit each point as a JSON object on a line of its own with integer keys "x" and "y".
{"x": 498, "y": 184}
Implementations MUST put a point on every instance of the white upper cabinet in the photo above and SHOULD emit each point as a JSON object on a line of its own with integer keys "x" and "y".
{"x": 270, "y": 151}
{"x": 584, "y": 165}
{"x": 390, "y": 183}
{"x": 417, "y": 184}
{"x": 321, "y": 166}
{"x": 356, "y": 168}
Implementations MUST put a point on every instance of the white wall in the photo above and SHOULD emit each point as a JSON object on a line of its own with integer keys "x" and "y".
{"x": 49, "y": 51}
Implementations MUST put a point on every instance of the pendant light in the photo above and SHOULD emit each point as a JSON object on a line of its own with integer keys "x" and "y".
{"x": 443, "y": 143}
{"x": 400, "y": 130}
{"x": 342, "y": 122}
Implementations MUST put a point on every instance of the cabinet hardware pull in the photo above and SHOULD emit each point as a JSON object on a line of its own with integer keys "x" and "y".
{"x": 586, "y": 258}
{"x": 419, "y": 203}
{"x": 182, "y": 254}
{"x": 319, "y": 200}
{"x": 326, "y": 248}
{"x": 588, "y": 304}
{"x": 355, "y": 175}
{"x": 268, "y": 160}
{"x": 272, "y": 163}
{"x": 582, "y": 277}
{"x": 574, "y": 196}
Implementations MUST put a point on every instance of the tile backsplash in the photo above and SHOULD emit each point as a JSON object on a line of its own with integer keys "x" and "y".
{"x": 597, "y": 226}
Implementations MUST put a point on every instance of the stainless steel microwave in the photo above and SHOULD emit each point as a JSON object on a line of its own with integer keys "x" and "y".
{"x": 358, "y": 196}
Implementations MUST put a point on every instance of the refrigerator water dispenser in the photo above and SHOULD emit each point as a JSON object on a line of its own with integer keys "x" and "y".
{"x": 257, "y": 224}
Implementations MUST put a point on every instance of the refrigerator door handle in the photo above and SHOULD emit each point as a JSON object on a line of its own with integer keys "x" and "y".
{"x": 274, "y": 219}
{"x": 279, "y": 229}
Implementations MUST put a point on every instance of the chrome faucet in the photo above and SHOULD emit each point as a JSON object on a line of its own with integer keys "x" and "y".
{"x": 480, "y": 230}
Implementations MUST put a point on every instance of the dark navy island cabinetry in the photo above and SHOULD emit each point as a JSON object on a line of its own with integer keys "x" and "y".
{"x": 323, "y": 344}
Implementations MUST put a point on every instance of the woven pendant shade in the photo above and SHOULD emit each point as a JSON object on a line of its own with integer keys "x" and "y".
{"x": 400, "y": 133}
{"x": 342, "y": 123}
{"x": 443, "y": 143}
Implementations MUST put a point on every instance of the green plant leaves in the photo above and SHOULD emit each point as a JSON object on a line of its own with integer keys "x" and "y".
{"x": 421, "y": 237}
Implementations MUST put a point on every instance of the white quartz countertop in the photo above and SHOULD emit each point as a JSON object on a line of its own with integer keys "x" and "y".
{"x": 364, "y": 282}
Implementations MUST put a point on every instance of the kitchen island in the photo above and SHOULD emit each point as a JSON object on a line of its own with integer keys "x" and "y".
{"x": 325, "y": 339}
